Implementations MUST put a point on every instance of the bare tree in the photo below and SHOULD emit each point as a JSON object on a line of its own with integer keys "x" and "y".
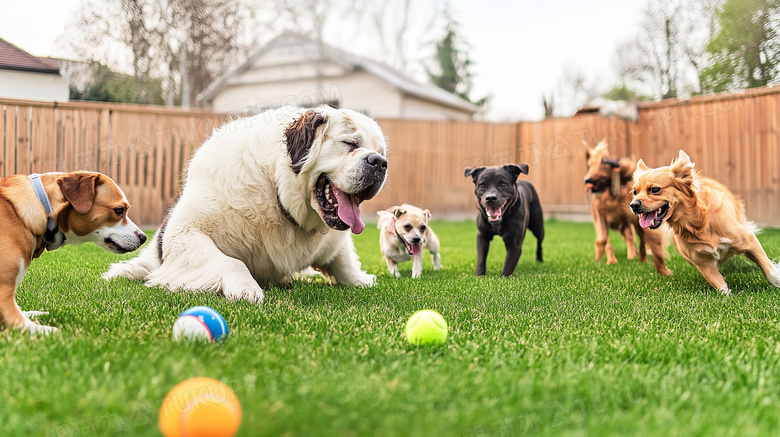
{"x": 665, "y": 57}
{"x": 573, "y": 90}
{"x": 188, "y": 42}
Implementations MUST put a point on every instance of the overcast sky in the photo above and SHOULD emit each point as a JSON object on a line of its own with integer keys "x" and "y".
{"x": 520, "y": 48}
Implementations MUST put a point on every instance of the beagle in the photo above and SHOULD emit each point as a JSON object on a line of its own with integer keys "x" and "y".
{"x": 46, "y": 211}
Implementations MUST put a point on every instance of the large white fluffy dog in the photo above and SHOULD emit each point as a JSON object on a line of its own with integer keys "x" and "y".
{"x": 265, "y": 197}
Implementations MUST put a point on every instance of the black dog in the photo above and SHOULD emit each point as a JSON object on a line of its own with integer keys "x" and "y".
{"x": 507, "y": 207}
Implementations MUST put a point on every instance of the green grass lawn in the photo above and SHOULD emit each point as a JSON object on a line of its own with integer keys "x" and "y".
{"x": 564, "y": 347}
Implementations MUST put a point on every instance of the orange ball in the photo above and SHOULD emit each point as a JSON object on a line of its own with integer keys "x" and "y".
{"x": 200, "y": 407}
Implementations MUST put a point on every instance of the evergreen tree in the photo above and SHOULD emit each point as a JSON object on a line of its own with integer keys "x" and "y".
{"x": 453, "y": 66}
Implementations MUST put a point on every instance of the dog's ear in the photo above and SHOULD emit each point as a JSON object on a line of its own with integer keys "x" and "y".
{"x": 515, "y": 170}
{"x": 473, "y": 172}
{"x": 398, "y": 211}
{"x": 300, "y": 136}
{"x": 427, "y": 214}
{"x": 682, "y": 167}
{"x": 640, "y": 169}
{"x": 79, "y": 190}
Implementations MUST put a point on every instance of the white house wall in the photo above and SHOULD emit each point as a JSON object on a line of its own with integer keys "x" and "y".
{"x": 415, "y": 108}
{"x": 358, "y": 91}
{"x": 33, "y": 86}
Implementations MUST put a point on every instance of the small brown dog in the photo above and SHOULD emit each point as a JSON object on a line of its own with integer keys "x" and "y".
{"x": 609, "y": 181}
{"x": 44, "y": 212}
{"x": 707, "y": 220}
{"x": 403, "y": 233}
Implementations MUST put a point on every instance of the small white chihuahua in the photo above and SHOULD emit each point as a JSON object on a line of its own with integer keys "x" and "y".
{"x": 403, "y": 232}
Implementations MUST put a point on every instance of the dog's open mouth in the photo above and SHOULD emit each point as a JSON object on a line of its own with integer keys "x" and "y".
{"x": 654, "y": 219}
{"x": 412, "y": 248}
{"x": 340, "y": 210}
{"x": 597, "y": 185}
{"x": 495, "y": 213}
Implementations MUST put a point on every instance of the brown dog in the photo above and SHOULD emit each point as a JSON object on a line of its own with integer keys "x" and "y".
{"x": 403, "y": 233}
{"x": 609, "y": 181}
{"x": 43, "y": 212}
{"x": 707, "y": 220}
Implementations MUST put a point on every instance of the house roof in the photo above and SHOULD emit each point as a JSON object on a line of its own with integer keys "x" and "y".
{"x": 14, "y": 58}
{"x": 383, "y": 72}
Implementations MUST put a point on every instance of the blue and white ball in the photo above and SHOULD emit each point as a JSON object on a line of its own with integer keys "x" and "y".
{"x": 200, "y": 324}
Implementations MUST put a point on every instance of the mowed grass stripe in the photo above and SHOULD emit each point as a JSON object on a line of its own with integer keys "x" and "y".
{"x": 564, "y": 347}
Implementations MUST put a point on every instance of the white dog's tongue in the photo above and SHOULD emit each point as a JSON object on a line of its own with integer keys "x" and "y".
{"x": 416, "y": 249}
{"x": 349, "y": 210}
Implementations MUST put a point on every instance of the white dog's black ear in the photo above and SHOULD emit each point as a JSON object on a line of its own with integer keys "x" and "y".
{"x": 398, "y": 212}
{"x": 300, "y": 137}
{"x": 515, "y": 170}
{"x": 473, "y": 172}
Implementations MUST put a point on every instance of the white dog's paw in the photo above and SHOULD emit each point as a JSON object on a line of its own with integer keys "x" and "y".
{"x": 123, "y": 269}
{"x": 242, "y": 289}
{"x": 34, "y": 328}
{"x": 774, "y": 278}
{"x": 725, "y": 290}
{"x": 365, "y": 280}
{"x": 416, "y": 275}
{"x": 34, "y": 314}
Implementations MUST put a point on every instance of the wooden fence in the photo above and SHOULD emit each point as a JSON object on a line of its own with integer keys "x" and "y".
{"x": 734, "y": 138}
{"x": 144, "y": 149}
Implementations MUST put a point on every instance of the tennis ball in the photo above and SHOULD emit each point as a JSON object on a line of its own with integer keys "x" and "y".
{"x": 200, "y": 407}
{"x": 200, "y": 323}
{"x": 426, "y": 327}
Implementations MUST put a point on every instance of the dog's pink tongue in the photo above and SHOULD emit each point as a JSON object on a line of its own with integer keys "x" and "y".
{"x": 416, "y": 249}
{"x": 646, "y": 219}
{"x": 349, "y": 210}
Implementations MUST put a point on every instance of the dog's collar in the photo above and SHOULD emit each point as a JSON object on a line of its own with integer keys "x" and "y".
{"x": 394, "y": 231}
{"x": 285, "y": 212}
{"x": 51, "y": 224}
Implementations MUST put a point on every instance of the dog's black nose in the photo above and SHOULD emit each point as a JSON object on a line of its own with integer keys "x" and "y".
{"x": 588, "y": 181}
{"x": 142, "y": 237}
{"x": 635, "y": 205}
{"x": 415, "y": 240}
{"x": 491, "y": 197}
{"x": 377, "y": 160}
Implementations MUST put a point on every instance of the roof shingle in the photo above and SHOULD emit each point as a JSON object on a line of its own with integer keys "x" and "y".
{"x": 14, "y": 58}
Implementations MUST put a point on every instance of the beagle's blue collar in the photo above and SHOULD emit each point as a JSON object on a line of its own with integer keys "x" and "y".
{"x": 51, "y": 224}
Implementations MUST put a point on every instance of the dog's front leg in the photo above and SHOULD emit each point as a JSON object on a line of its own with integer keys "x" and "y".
{"x": 757, "y": 254}
{"x": 602, "y": 238}
{"x": 193, "y": 262}
{"x": 392, "y": 266}
{"x": 630, "y": 238}
{"x": 417, "y": 265}
{"x": 711, "y": 273}
{"x": 345, "y": 268}
{"x": 513, "y": 251}
{"x": 483, "y": 244}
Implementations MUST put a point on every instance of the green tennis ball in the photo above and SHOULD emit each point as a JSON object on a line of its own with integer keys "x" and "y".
{"x": 426, "y": 327}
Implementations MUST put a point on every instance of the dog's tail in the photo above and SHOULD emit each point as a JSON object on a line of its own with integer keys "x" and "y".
{"x": 140, "y": 266}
